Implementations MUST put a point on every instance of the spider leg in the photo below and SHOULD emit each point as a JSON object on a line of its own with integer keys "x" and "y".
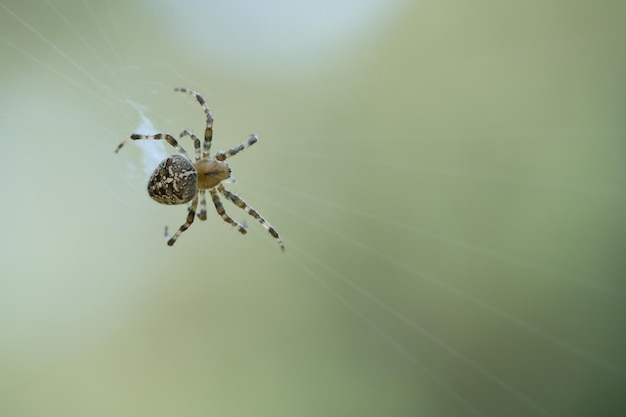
{"x": 221, "y": 155}
{"x": 190, "y": 217}
{"x": 202, "y": 212}
{"x": 168, "y": 138}
{"x": 238, "y": 201}
{"x": 196, "y": 142}
{"x": 208, "y": 131}
{"x": 220, "y": 210}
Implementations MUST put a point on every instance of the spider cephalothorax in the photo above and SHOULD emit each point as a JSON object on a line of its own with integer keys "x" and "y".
{"x": 178, "y": 180}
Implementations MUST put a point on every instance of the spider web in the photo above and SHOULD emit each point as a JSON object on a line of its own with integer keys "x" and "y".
{"x": 451, "y": 196}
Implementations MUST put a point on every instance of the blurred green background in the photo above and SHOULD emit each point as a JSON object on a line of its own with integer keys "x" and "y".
{"x": 448, "y": 178}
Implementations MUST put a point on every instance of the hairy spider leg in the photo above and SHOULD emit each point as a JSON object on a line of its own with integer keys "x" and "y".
{"x": 190, "y": 217}
{"x": 168, "y": 138}
{"x": 221, "y": 155}
{"x": 239, "y": 202}
{"x": 202, "y": 198}
{"x": 196, "y": 142}
{"x": 222, "y": 212}
{"x": 208, "y": 131}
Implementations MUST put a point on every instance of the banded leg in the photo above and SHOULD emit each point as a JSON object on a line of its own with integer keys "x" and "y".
{"x": 221, "y": 155}
{"x": 220, "y": 210}
{"x": 202, "y": 197}
{"x": 208, "y": 131}
{"x": 238, "y": 201}
{"x": 168, "y": 138}
{"x": 191, "y": 214}
{"x": 196, "y": 142}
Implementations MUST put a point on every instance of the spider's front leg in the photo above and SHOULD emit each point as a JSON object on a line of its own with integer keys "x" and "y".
{"x": 239, "y": 202}
{"x": 222, "y": 156}
{"x": 219, "y": 207}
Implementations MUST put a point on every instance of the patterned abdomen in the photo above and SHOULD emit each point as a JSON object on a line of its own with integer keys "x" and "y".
{"x": 174, "y": 181}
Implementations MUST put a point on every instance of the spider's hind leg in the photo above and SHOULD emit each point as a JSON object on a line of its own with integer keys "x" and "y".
{"x": 166, "y": 137}
{"x": 191, "y": 214}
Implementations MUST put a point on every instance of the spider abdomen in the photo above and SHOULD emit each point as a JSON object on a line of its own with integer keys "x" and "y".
{"x": 174, "y": 181}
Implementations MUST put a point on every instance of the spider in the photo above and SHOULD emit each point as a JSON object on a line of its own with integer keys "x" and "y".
{"x": 178, "y": 180}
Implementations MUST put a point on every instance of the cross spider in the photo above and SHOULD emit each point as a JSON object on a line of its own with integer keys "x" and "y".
{"x": 177, "y": 180}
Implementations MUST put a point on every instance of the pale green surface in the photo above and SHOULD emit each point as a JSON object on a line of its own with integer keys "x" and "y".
{"x": 448, "y": 177}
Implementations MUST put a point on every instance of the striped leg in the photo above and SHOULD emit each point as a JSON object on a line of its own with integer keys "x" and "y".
{"x": 252, "y": 212}
{"x": 191, "y": 214}
{"x": 221, "y": 155}
{"x": 202, "y": 197}
{"x": 220, "y": 210}
{"x": 168, "y": 138}
{"x": 196, "y": 142}
{"x": 208, "y": 131}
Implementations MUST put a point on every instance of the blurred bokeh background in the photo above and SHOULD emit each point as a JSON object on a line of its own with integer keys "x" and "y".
{"x": 448, "y": 178}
